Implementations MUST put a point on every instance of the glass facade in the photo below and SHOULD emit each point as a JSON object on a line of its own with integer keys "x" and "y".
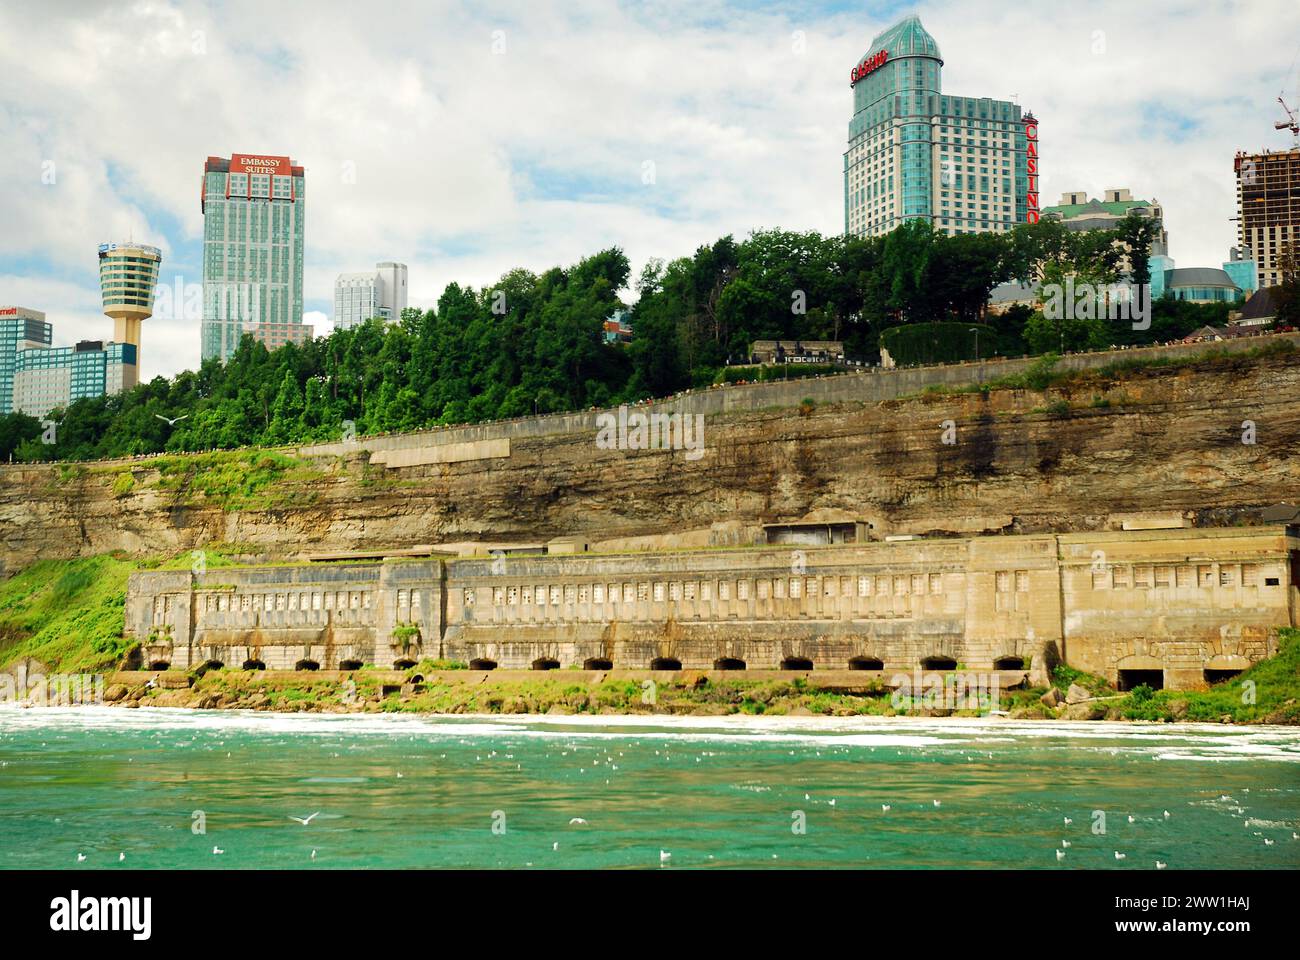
{"x": 252, "y": 253}
{"x": 128, "y": 275}
{"x": 51, "y": 378}
{"x": 914, "y": 153}
{"x": 18, "y": 333}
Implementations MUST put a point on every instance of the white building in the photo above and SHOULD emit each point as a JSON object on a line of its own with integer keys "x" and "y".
{"x": 375, "y": 293}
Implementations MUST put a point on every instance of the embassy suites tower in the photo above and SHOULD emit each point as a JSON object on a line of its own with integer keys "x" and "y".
{"x": 965, "y": 164}
{"x": 253, "y": 212}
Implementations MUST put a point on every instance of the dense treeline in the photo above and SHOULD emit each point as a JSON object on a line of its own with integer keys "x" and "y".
{"x": 534, "y": 343}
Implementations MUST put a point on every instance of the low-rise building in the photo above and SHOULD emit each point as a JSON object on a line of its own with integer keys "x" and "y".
{"x": 796, "y": 351}
{"x": 1176, "y": 608}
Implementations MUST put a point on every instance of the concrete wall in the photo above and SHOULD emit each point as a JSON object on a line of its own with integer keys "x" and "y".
{"x": 281, "y": 616}
{"x": 1173, "y": 600}
{"x": 869, "y": 386}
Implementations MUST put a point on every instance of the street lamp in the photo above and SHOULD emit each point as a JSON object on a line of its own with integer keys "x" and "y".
{"x": 976, "y": 331}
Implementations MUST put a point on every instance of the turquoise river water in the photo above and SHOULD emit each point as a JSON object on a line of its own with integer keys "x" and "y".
{"x": 153, "y": 788}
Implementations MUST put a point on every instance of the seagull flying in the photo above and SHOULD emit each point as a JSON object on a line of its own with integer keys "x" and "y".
{"x": 170, "y": 421}
{"x": 307, "y": 820}
{"x": 578, "y": 821}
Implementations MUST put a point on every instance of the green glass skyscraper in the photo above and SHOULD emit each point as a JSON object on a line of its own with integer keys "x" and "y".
{"x": 253, "y": 211}
{"x": 965, "y": 164}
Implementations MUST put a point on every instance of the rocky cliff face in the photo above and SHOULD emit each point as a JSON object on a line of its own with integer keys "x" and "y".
{"x": 1073, "y": 458}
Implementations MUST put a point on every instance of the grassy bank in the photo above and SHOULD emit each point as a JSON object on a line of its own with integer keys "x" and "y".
{"x": 68, "y": 614}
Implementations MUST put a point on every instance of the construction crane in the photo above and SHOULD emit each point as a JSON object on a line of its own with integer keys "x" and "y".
{"x": 1290, "y": 123}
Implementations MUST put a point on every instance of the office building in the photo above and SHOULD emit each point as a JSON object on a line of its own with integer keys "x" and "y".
{"x": 1078, "y": 212}
{"x": 374, "y": 293}
{"x": 963, "y": 164}
{"x": 253, "y": 214}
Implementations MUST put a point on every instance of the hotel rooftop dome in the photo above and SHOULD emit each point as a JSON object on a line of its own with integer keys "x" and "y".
{"x": 907, "y": 38}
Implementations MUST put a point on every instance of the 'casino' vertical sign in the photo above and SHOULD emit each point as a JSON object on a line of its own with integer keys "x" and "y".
{"x": 1031, "y": 160}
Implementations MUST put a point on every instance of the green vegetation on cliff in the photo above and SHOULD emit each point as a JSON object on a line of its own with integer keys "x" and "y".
{"x": 534, "y": 343}
{"x": 68, "y": 614}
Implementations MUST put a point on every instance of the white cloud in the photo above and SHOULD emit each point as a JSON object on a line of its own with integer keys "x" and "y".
{"x": 469, "y": 162}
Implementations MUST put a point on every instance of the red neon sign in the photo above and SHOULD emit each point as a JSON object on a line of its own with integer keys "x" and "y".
{"x": 1031, "y": 160}
{"x": 869, "y": 65}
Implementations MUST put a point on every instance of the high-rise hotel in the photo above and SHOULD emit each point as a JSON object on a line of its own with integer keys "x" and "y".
{"x": 965, "y": 164}
{"x": 253, "y": 209}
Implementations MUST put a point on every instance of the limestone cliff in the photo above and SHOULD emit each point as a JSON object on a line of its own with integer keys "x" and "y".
{"x": 1072, "y": 458}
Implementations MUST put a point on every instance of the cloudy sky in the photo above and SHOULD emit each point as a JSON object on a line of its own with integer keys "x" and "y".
{"x": 466, "y": 139}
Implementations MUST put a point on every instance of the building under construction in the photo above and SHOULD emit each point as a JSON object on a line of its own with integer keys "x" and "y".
{"x": 1268, "y": 208}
